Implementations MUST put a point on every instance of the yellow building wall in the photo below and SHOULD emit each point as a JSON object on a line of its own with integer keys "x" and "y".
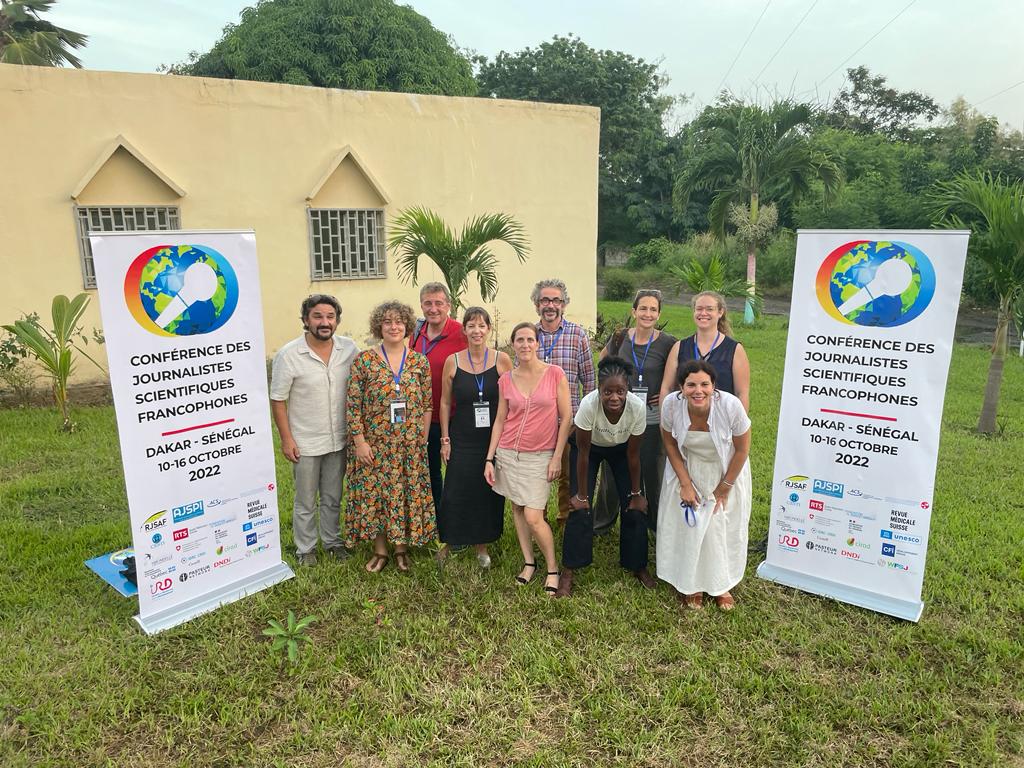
{"x": 248, "y": 155}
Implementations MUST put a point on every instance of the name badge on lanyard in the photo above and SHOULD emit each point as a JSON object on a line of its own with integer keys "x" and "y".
{"x": 481, "y": 408}
{"x": 398, "y": 411}
{"x": 640, "y": 389}
{"x": 397, "y": 407}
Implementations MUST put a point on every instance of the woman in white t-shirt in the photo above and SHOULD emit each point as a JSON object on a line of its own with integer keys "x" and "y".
{"x": 610, "y": 426}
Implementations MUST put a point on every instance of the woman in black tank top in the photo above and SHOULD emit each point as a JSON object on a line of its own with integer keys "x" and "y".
{"x": 712, "y": 344}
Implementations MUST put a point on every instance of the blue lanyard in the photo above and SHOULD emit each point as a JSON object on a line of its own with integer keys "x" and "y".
{"x": 480, "y": 378}
{"x": 396, "y": 376}
{"x": 689, "y": 514}
{"x": 427, "y": 350}
{"x": 551, "y": 346}
{"x": 696, "y": 350}
{"x": 640, "y": 365}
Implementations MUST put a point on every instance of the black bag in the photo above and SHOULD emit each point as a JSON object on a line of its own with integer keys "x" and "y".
{"x": 129, "y": 570}
{"x": 578, "y": 539}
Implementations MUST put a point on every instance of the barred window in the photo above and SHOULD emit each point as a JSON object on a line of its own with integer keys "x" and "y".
{"x": 118, "y": 219}
{"x": 346, "y": 243}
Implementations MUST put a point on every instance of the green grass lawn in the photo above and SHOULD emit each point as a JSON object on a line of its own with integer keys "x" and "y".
{"x": 466, "y": 669}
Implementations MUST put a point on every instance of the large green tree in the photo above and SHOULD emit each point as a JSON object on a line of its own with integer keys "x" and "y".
{"x": 421, "y": 232}
{"x": 27, "y": 38}
{"x": 633, "y": 145}
{"x": 372, "y": 45}
{"x": 994, "y": 210}
{"x": 750, "y": 157}
{"x": 868, "y": 105}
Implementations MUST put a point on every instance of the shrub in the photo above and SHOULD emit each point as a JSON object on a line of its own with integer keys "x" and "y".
{"x": 775, "y": 263}
{"x": 619, "y": 285}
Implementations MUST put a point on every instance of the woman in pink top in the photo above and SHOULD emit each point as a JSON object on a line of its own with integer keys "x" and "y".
{"x": 525, "y": 454}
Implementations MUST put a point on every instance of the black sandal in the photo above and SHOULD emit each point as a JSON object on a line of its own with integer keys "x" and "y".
{"x": 552, "y": 590}
{"x": 523, "y": 581}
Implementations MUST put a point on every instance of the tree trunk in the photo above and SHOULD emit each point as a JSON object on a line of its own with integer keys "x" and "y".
{"x": 987, "y": 420}
{"x": 748, "y": 307}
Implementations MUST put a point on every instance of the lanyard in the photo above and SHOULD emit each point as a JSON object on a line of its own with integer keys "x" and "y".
{"x": 426, "y": 350}
{"x": 640, "y": 365}
{"x": 480, "y": 378}
{"x": 396, "y": 376}
{"x": 689, "y": 514}
{"x": 551, "y": 346}
{"x": 696, "y": 348}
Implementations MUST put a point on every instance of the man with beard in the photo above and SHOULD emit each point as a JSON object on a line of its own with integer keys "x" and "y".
{"x": 307, "y": 400}
{"x": 565, "y": 344}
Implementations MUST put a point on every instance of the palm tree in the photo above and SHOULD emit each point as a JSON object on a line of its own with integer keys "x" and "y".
{"x": 746, "y": 155}
{"x": 421, "y": 232}
{"x": 994, "y": 210}
{"x": 25, "y": 38}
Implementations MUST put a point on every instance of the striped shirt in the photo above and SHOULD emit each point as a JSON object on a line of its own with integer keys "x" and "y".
{"x": 569, "y": 348}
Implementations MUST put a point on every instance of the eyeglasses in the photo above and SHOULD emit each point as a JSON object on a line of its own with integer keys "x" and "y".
{"x": 648, "y": 293}
{"x": 544, "y": 302}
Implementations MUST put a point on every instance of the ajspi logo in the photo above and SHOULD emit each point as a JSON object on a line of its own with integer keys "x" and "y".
{"x": 187, "y": 511}
{"x": 828, "y": 488}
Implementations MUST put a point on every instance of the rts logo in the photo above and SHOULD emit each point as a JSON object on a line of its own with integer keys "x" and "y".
{"x": 828, "y": 488}
{"x": 181, "y": 533}
{"x": 816, "y": 505}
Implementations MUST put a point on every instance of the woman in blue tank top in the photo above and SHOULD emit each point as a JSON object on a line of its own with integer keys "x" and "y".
{"x": 712, "y": 344}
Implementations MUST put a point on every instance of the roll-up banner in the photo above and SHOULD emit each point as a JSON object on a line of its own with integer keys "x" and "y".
{"x": 870, "y": 337}
{"x": 183, "y": 323}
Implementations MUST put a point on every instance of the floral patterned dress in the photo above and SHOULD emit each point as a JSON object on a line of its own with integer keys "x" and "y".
{"x": 393, "y": 495}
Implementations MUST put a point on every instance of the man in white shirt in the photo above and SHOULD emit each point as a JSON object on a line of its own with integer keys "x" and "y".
{"x": 307, "y": 400}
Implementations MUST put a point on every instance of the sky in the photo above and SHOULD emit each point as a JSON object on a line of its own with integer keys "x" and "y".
{"x": 758, "y": 49}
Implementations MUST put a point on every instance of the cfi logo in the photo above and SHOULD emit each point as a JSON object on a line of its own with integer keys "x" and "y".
{"x": 875, "y": 283}
{"x": 889, "y": 550}
{"x": 180, "y": 290}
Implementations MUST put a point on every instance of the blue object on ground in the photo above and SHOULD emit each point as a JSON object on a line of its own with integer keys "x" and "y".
{"x": 108, "y": 568}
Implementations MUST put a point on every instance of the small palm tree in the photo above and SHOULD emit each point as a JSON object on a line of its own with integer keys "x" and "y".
{"x": 747, "y": 155}
{"x": 421, "y": 232}
{"x": 696, "y": 278}
{"x": 25, "y": 38}
{"x": 995, "y": 209}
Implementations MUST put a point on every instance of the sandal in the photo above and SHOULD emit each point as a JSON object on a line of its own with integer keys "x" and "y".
{"x": 524, "y": 581}
{"x": 725, "y": 602}
{"x": 695, "y": 601}
{"x": 402, "y": 561}
{"x": 547, "y": 587}
{"x": 376, "y": 563}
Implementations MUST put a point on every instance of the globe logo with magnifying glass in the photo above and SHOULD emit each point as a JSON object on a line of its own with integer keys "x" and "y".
{"x": 875, "y": 283}
{"x": 181, "y": 290}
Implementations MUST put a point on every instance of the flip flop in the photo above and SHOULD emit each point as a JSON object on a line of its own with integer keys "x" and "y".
{"x": 377, "y": 563}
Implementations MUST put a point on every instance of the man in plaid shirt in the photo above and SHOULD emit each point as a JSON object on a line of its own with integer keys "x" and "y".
{"x": 565, "y": 344}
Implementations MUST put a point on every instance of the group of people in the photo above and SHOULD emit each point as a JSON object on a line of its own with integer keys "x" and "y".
{"x": 667, "y": 418}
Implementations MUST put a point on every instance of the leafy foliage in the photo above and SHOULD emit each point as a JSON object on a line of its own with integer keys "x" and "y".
{"x": 636, "y": 158}
{"x": 697, "y": 277}
{"x": 619, "y": 285}
{"x": 55, "y": 349}
{"x": 421, "y": 232}
{"x": 288, "y": 636}
{"x": 994, "y": 210}
{"x": 868, "y": 106}
{"x": 27, "y": 38}
{"x": 372, "y": 45}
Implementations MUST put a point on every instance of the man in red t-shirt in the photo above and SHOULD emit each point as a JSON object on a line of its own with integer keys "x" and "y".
{"x": 437, "y": 336}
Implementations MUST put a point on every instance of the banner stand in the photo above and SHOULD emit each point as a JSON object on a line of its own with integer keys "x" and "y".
{"x": 873, "y": 601}
{"x": 211, "y": 601}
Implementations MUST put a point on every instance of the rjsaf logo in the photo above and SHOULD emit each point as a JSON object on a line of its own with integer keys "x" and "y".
{"x": 181, "y": 290}
{"x": 875, "y": 283}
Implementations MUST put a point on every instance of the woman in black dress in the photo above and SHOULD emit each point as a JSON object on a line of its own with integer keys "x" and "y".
{"x": 712, "y": 344}
{"x": 471, "y": 513}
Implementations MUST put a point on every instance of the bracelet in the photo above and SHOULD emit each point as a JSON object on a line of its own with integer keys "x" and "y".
{"x": 489, "y": 461}
{"x": 727, "y": 482}
{"x": 581, "y": 500}
{"x": 445, "y": 440}
{"x": 634, "y": 494}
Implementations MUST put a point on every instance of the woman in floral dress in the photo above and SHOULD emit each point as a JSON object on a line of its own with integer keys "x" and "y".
{"x": 389, "y": 404}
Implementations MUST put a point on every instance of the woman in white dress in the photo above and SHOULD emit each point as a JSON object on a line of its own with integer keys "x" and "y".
{"x": 702, "y": 539}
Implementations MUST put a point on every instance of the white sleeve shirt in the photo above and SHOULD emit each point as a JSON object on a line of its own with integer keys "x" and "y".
{"x": 591, "y": 417}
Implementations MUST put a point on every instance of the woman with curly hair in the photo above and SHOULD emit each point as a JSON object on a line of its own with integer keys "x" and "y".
{"x": 389, "y": 407}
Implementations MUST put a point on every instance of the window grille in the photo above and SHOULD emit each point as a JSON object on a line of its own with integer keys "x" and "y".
{"x": 118, "y": 219}
{"x": 346, "y": 244}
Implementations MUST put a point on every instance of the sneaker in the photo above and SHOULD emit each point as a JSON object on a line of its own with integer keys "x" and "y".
{"x": 484, "y": 559}
{"x": 339, "y": 553}
{"x": 307, "y": 558}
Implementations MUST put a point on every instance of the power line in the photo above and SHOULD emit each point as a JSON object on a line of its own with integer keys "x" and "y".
{"x": 742, "y": 47}
{"x": 862, "y": 47}
{"x": 792, "y": 32}
{"x": 998, "y": 93}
